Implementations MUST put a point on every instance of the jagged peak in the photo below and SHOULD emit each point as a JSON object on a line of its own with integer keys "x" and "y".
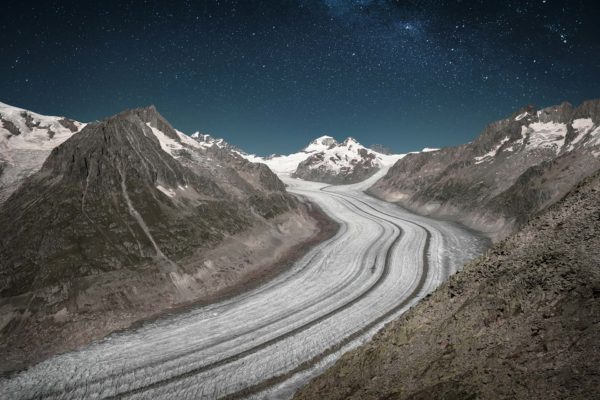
{"x": 349, "y": 141}
{"x": 150, "y": 115}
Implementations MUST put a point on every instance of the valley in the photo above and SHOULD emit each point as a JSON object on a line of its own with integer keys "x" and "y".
{"x": 300, "y": 199}
{"x": 272, "y": 339}
{"x": 213, "y": 273}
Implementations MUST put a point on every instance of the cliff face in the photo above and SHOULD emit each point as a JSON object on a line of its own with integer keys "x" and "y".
{"x": 515, "y": 168}
{"x": 521, "y": 322}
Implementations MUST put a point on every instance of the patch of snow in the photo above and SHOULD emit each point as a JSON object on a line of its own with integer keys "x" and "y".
{"x": 546, "y": 135}
{"x": 169, "y": 192}
{"x": 429, "y": 149}
{"x": 187, "y": 140}
{"x": 168, "y": 144}
{"x": 492, "y": 153}
{"x": 205, "y": 140}
{"x": 521, "y": 116}
{"x": 583, "y": 126}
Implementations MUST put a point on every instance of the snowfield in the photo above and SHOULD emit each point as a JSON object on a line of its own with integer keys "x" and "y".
{"x": 268, "y": 341}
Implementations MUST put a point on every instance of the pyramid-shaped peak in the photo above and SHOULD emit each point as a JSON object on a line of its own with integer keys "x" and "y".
{"x": 150, "y": 116}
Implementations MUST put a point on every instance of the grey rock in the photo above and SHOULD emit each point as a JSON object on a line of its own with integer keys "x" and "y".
{"x": 10, "y": 127}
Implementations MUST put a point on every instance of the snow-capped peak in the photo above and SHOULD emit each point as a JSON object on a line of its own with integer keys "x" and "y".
{"x": 26, "y": 139}
{"x": 320, "y": 144}
{"x": 350, "y": 142}
{"x": 325, "y": 153}
{"x": 26, "y": 130}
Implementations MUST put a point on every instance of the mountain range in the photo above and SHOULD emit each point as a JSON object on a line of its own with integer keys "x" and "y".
{"x": 107, "y": 223}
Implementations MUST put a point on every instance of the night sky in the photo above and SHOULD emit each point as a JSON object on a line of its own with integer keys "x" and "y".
{"x": 269, "y": 76}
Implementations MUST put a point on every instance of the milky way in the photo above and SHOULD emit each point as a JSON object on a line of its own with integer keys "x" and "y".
{"x": 270, "y": 75}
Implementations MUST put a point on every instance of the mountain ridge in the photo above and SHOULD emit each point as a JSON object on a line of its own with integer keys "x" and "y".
{"x": 515, "y": 168}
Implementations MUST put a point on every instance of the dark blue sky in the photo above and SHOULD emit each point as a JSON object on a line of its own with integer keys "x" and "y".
{"x": 270, "y": 75}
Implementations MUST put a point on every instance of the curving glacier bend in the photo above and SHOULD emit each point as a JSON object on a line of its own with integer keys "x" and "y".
{"x": 267, "y": 342}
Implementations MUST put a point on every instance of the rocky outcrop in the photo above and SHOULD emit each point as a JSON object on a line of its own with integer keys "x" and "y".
{"x": 516, "y": 167}
{"x": 127, "y": 218}
{"x": 521, "y": 322}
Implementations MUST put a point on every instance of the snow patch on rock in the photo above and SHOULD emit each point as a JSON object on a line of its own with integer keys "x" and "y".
{"x": 492, "y": 153}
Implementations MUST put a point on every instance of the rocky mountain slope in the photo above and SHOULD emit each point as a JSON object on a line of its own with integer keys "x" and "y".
{"x": 26, "y": 139}
{"x": 515, "y": 168}
{"x": 521, "y": 322}
{"x": 326, "y": 160}
{"x": 127, "y": 218}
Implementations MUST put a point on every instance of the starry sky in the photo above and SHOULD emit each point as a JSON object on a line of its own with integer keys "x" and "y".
{"x": 269, "y": 76}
